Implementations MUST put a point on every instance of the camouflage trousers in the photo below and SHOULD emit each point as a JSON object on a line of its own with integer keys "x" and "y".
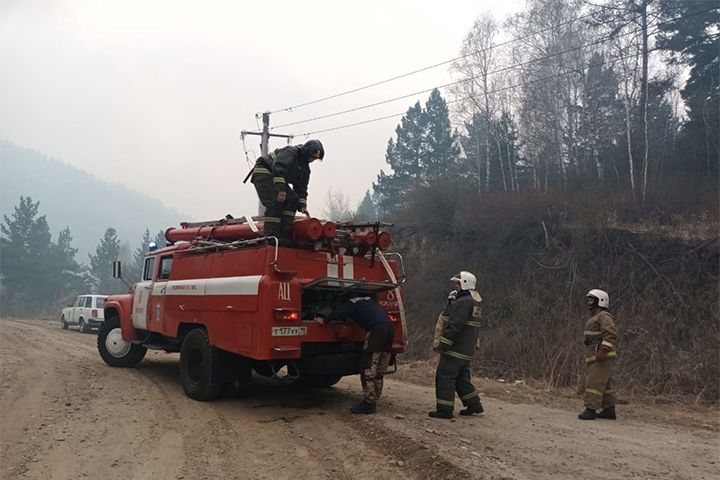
{"x": 375, "y": 363}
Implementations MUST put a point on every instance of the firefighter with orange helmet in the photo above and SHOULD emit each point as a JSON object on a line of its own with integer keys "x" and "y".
{"x": 601, "y": 337}
{"x": 272, "y": 175}
{"x": 457, "y": 347}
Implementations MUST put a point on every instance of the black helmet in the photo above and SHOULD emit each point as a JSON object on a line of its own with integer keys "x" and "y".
{"x": 314, "y": 148}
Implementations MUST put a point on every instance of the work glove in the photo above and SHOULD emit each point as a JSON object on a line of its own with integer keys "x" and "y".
{"x": 281, "y": 196}
{"x": 602, "y": 353}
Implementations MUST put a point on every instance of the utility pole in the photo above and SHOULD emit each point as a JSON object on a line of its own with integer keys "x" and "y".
{"x": 265, "y": 145}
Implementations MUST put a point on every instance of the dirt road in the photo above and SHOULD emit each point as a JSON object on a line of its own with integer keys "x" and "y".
{"x": 66, "y": 415}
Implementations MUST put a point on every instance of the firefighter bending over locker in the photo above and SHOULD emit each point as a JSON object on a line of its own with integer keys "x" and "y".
{"x": 271, "y": 176}
{"x": 456, "y": 348}
{"x": 601, "y": 336}
{"x": 377, "y": 350}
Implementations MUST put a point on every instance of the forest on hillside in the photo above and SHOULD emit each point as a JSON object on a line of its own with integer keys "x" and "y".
{"x": 581, "y": 153}
{"x": 74, "y": 198}
{"x": 39, "y": 275}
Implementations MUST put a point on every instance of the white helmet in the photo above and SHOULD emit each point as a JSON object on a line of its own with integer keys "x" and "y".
{"x": 602, "y": 297}
{"x": 466, "y": 279}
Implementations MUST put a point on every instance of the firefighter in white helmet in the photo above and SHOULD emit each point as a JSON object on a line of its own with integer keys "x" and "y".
{"x": 443, "y": 318}
{"x": 601, "y": 337}
{"x": 456, "y": 348}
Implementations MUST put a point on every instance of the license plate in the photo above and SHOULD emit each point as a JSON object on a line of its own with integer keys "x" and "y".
{"x": 289, "y": 331}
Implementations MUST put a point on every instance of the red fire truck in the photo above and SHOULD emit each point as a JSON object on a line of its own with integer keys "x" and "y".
{"x": 232, "y": 301}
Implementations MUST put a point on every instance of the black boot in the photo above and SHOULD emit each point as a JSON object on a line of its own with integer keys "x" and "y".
{"x": 441, "y": 413}
{"x": 588, "y": 415}
{"x": 286, "y": 231}
{"x": 607, "y": 413}
{"x": 282, "y": 242}
{"x": 472, "y": 409}
{"x": 363, "y": 408}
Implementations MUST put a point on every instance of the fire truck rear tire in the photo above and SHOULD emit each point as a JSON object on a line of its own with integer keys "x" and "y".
{"x": 330, "y": 381}
{"x": 319, "y": 382}
{"x": 200, "y": 366}
{"x": 114, "y": 350}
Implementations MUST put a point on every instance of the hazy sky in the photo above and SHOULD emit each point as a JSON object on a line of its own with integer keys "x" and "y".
{"x": 154, "y": 94}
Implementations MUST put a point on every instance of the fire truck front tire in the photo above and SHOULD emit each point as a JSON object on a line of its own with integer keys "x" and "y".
{"x": 114, "y": 350}
{"x": 200, "y": 371}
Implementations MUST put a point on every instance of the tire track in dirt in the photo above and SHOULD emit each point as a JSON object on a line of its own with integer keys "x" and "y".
{"x": 66, "y": 415}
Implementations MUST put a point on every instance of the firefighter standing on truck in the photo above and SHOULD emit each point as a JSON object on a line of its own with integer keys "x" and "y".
{"x": 443, "y": 318}
{"x": 456, "y": 348}
{"x": 272, "y": 175}
{"x": 601, "y": 336}
{"x": 377, "y": 349}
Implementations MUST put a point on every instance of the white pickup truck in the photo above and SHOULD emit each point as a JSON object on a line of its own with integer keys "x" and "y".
{"x": 86, "y": 312}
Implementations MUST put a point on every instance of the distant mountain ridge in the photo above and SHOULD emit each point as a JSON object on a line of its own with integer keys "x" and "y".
{"x": 75, "y": 198}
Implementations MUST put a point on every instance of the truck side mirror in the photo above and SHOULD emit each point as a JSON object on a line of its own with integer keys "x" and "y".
{"x": 117, "y": 269}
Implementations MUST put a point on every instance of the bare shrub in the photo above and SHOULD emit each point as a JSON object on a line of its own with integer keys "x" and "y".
{"x": 535, "y": 258}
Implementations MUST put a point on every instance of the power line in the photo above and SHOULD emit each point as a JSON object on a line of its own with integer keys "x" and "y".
{"x": 430, "y": 67}
{"x": 500, "y": 70}
{"x": 578, "y": 70}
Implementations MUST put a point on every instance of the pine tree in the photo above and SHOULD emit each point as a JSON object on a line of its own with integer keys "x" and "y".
{"x": 67, "y": 276}
{"x": 691, "y": 40}
{"x": 160, "y": 240}
{"x": 423, "y": 152}
{"x": 133, "y": 271}
{"x": 403, "y": 156}
{"x": 441, "y": 152}
{"x": 101, "y": 264}
{"x": 602, "y": 117}
{"x": 36, "y": 273}
{"x": 21, "y": 267}
{"x": 473, "y": 145}
{"x": 367, "y": 210}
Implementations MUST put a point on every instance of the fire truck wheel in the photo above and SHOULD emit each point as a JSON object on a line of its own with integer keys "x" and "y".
{"x": 114, "y": 350}
{"x": 200, "y": 366}
{"x": 330, "y": 381}
{"x": 319, "y": 382}
{"x": 63, "y": 323}
{"x": 262, "y": 367}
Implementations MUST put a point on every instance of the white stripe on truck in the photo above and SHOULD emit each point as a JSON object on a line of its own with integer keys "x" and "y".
{"x": 249, "y": 285}
{"x": 332, "y": 270}
{"x": 349, "y": 267}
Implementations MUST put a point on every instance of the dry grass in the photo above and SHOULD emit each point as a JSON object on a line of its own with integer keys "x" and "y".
{"x": 535, "y": 258}
{"x": 676, "y": 410}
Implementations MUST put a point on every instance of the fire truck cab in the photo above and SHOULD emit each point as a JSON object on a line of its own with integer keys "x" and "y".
{"x": 232, "y": 301}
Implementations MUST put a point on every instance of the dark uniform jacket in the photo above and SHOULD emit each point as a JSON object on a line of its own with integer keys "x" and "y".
{"x": 362, "y": 310}
{"x": 461, "y": 332}
{"x": 287, "y": 166}
{"x": 600, "y": 329}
